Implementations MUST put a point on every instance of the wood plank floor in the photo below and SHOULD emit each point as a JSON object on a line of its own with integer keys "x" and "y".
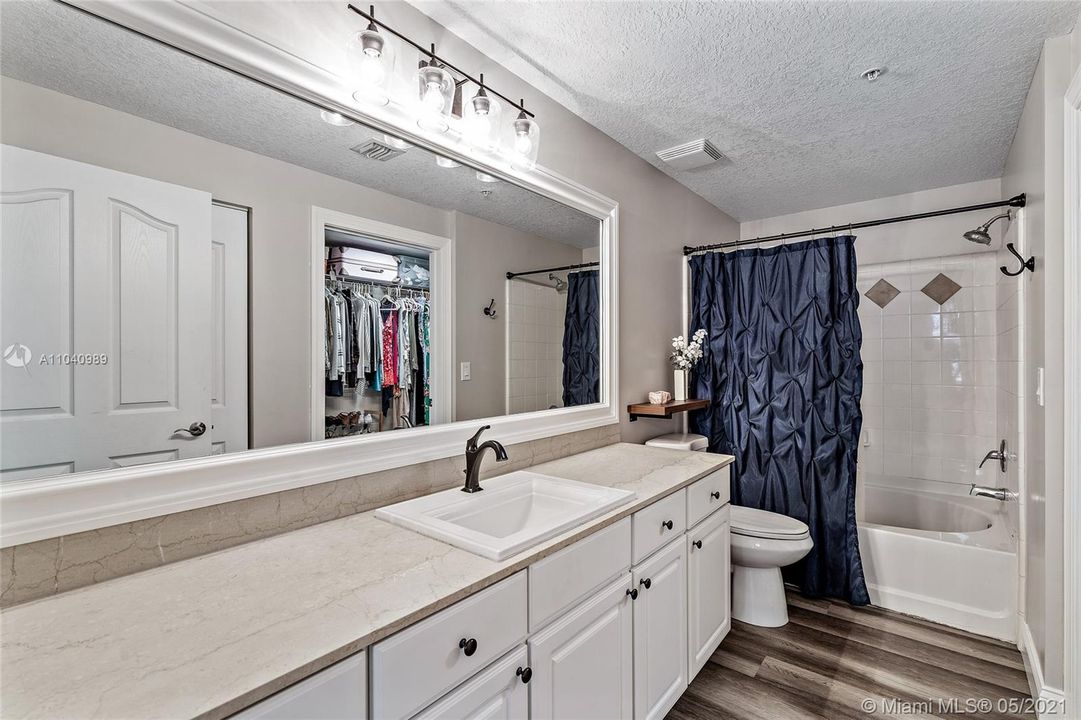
{"x": 832, "y": 658}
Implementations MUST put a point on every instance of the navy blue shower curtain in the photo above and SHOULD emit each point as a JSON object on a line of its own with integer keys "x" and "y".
{"x": 581, "y": 340}
{"x": 783, "y": 373}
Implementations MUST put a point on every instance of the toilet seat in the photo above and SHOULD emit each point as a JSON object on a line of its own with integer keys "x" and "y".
{"x": 752, "y": 522}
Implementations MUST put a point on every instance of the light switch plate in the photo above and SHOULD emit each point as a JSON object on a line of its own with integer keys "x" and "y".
{"x": 466, "y": 371}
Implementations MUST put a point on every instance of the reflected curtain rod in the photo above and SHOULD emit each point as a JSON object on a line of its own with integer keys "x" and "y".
{"x": 1015, "y": 201}
{"x": 512, "y": 275}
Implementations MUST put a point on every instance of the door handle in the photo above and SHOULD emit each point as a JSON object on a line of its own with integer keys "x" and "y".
{"x": 195, "y": 429}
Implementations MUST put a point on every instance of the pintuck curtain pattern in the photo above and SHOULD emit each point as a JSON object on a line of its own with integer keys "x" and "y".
{"x": 581, "y": 340}
{"x": 783, "y": 373}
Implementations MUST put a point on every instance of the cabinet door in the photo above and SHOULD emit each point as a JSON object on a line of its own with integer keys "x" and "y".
{"x": 582, "y": 663}
{"x": 709, "y": 579}
{"x": 337, "y": 693}
{"x": 498, "y": 693}
{"x": 660, "y": 631}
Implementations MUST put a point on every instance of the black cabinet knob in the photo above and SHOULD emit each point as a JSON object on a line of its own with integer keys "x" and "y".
{"x": 667, "y": 524}
{"x": 646, "y": 583}
{"x": 716, "y": 494}
{"x": 633, "y": 592}
{"x": 468, "y": 646}
{"x": 525, "y": 673}
{"x": 697, "y": 544}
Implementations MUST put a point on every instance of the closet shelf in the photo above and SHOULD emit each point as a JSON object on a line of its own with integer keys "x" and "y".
{"x": 666, "y": 410}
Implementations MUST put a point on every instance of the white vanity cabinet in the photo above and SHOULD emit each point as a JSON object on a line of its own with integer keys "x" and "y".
{"x": 709, "y": 582}
{"x": 500, "y": 692}
{"x": 338, "y": 693}
{"x": 583, "y": 663}
{"x": 660, "y": 631}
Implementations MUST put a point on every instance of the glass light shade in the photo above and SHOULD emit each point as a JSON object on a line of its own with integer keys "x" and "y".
{"x": 486, "y": 178}
{"x": 480, "y": 121}
{"x": 445, "y": 162}
{"x": 435, "y": 92}
{"x": 336, "y": 119}
{"x": 396, "y": 143}
{"x": 524, "y": 141}
{"x": 370, "y": 63}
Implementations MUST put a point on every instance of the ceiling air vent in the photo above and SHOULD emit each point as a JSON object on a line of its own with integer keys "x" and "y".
{"x": 375, "y": 150}
{"x": 691, "y": 155}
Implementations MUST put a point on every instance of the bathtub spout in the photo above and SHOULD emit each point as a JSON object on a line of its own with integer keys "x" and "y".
{"x": 990, "y": 492}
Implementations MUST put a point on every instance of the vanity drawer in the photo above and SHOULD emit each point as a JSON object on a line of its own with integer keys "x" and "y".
{"x": 650, "y": 525}
{"x": 573, "y": 573}
{"x": 424, "y": 661}
{"x": 706, "y": 495}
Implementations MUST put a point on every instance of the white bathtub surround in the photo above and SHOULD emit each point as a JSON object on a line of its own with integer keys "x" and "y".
{"x": 535, "y": 317}
{"x": 929, "y": 401}
{"x": 762, "y": 543}
{"x": 949, "y": 558}
{"x": 261, "y": 616}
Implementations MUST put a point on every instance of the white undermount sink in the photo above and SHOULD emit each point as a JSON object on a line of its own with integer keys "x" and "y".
{"x": 512, "y": 513}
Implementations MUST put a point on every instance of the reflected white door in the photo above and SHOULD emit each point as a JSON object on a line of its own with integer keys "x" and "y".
{"x": 106, "y": 282}
{"x": 229, "y": 330}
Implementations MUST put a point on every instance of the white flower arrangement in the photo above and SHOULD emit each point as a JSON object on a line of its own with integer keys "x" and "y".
{"x": 686, "y": 354}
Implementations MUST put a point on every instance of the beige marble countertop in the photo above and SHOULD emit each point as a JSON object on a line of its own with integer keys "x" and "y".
{"x": 208, "y": 636}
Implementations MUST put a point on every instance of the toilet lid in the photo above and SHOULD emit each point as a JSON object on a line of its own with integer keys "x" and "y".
{"x": 763, "y": 524}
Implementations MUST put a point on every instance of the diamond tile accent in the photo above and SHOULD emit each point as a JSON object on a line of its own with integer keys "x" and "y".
{"x": 941, "y": 289}
{"x": 882, "y": 293}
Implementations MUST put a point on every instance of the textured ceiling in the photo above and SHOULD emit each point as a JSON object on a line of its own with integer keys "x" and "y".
{"x": 54, "y": 46}
{"x": 776, "y": 86}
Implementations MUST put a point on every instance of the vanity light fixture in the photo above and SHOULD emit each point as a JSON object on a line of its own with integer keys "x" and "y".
{"x": 481, "y": 118}
{"x": 526, "y": 139}
{"x": 367, "y": 52}
{"x": 437, "y": 85}
{"x": 336, "y": 119}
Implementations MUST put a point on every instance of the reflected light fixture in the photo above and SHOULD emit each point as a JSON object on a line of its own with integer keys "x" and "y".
{"x": 486, "y": 178}
{"x": 366, "y": 52}
{"x": 526, "y": 139}
{"x": 445, "y": 162}
{"x": 396, "y": 143}
{"x": 336, "y": 119}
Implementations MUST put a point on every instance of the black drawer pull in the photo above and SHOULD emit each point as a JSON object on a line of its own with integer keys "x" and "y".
{"x": 716, "y": 494}
{"x": 468, "y": 646}
{"x": 525, "y": 673}
{"x": 697, "y": 544}
{"x": 646, "y": 583}
{"x": 667, "y": 524}
{"x": 633, "y": 592}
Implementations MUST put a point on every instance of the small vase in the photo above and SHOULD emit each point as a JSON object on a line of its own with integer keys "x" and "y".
{"x": 680, "y": 392}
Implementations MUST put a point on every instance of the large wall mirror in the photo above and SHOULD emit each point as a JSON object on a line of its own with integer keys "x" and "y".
{"x": 197, "y": 264}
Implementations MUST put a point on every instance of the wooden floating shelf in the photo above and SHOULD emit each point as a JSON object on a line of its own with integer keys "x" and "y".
{"x": 667, "y": 410}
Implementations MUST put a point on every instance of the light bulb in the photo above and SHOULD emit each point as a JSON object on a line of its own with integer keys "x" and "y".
{"x": 479, "y": 128}
{"x": 372, "y": 71}
{"x": 433, "y": 97}
{"x": 523, "y": 145}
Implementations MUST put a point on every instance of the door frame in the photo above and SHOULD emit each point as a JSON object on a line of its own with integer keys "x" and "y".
{"x": 442, "y": 296}
{"x": 1071, "y": 506}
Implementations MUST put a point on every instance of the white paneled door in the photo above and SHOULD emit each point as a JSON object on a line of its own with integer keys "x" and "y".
{"x": 106, "y": 294}
{"x": 228, "y": 330}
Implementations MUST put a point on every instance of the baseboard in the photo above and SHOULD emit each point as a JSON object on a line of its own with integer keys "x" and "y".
{"x": 1049, "y": 702}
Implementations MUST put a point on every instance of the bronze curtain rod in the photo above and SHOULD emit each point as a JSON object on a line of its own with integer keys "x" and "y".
{"x": 512, "y": 275}
{"x": 1016, "y": 201}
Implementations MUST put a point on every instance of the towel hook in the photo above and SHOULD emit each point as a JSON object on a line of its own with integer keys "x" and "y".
{"x": 1029, "y": 264}
{"x": 490, "y": 311}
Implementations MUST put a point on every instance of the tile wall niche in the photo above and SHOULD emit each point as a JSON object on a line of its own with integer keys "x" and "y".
{"x": 535, "y": 316}
{"x": 930, "y": 343}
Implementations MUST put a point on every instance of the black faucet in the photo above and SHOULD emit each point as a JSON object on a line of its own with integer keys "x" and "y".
{"x": 473, "y": 454}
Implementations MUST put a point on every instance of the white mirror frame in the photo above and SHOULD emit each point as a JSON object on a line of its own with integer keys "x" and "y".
{"x": 51, "y": 507}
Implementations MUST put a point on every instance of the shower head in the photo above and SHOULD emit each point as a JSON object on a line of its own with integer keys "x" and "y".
{"x": 981, "y": 235}
{"x": 561, "y": 284}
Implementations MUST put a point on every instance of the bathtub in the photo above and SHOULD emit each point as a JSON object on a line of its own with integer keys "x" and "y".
{"x": 946, "y": 558}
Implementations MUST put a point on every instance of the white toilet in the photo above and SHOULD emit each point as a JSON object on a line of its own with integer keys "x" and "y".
{"x": 763, "y": 543}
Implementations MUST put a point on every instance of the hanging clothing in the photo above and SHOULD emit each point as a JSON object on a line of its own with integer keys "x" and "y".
{"x": 782, "y": 371}
{"x": 581, "y": 340}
